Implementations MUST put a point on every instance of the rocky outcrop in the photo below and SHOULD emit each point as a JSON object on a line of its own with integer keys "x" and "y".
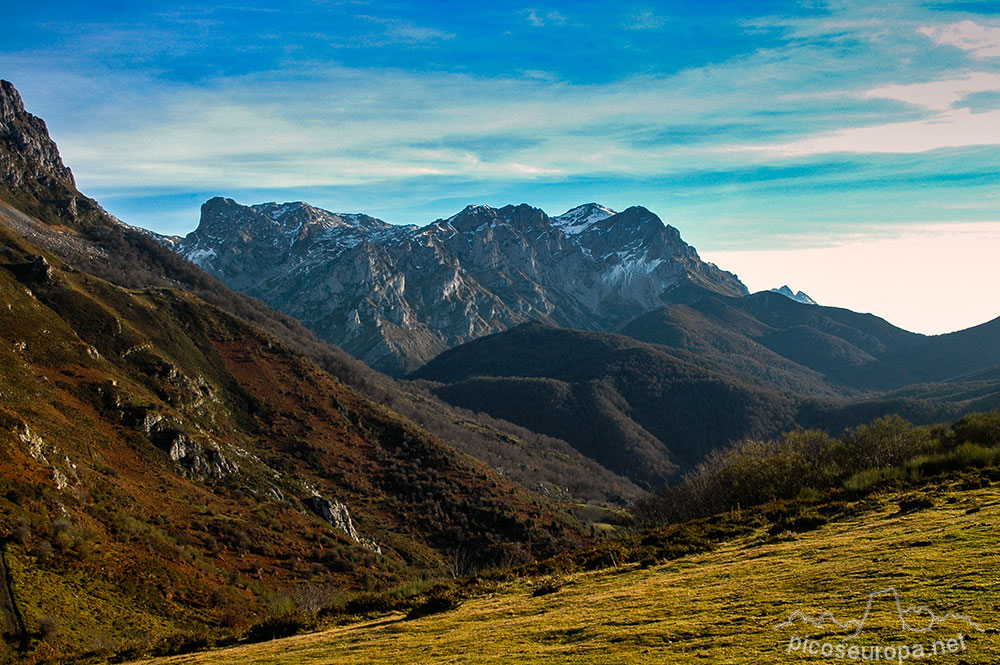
{"x": 32, "y": 174}
{"x": 198, "y": 460}
{"x": 201, "y": 461}
{"x": 36, "y": 271}
{"x": 800, "y": 296}
{"x": 397, "y": 296}
{"x": 336, "y": 514}
{"x": 333, "y": 512}
{"x": 35, "y": 444}
{"x": 30, "y": 153}
{"x": 61, "y": 467}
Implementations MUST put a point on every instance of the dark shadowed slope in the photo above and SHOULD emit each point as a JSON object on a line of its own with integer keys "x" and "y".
{"x": 639, "y": 409}
{"x": 808, "y": 348}
{"x": 769, "y": 335}
{"x": 712, "y": 370}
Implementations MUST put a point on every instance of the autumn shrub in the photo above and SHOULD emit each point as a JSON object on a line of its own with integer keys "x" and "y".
{"x": 438, "y": 601}
{"x": 965, "y": 456}
{"x": 48, "y": 628}
{"x": 548, "y": 586}
{"x": 284, "y": 625}
{"x": 886, "y": 442}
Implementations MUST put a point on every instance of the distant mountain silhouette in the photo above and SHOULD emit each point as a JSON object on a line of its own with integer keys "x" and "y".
{"x": 796, "y": 296}
{"x": 850, "y": 351}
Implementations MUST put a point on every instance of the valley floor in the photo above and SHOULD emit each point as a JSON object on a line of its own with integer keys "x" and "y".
{"x": 718, "y": 607}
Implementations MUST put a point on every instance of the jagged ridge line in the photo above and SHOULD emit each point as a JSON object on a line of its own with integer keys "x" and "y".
{"x": 859, "y": 624}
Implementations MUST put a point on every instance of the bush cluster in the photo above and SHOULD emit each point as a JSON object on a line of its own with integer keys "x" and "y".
{"x": 887, "y": 451}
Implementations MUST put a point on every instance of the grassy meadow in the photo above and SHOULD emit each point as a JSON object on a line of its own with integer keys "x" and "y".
{"x": 938, "y": 546}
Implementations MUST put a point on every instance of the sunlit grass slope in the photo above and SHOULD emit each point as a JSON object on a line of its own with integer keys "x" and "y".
{"x": 716, "y": 607}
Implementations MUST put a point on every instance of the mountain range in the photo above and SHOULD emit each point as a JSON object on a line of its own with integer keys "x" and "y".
{"x": 397, "y": 296}
{"x": 601, "y": 329}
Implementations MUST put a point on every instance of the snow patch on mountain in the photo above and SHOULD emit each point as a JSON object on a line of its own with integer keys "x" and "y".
{"x": 631, "y": 269}
{"x": 579, "y": 219}
{"x": 200, "y": 257}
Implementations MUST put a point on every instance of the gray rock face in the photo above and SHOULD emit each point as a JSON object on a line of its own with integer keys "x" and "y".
{"x": 32, "y": 153}
{"x": 396, "y": 296}
{"x": 37, "y": 270}
{"x": 336, "y": 514}
{"x": 198, "y": 460}
{"x": 32, "y": 174}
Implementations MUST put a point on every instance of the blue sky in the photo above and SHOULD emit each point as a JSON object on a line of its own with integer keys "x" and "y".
{"x": 784, "y": 139}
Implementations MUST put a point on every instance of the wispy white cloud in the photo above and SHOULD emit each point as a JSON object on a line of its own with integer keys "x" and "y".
{"x": 645, "y": 19}
{"x": 326, "y": 125}
{"x": 958, "y": 128}
{"x": 949, "y": 124}
{"x": 540, "y": 75}
{"x": 540, "y": 18}
{"x": 398, "y": 31}
{"x": 983, "y": 41}
{"x": 938, "y": 95}
{"x": 314, "y": 125}
{"x": 340, "y": 126}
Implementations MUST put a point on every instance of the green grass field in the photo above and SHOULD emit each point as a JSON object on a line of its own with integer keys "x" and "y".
{"x": 716, "y": 607}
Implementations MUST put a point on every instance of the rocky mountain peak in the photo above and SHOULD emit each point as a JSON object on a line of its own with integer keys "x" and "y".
{"x": 11, "y": 105}
{"x": 525, "y": 218}
{"x": 280, "y": 212}
{"x": 32, "y": 174}
{"x": 218, "y": 204}
{"x": 472, "y": 217}
{"x": 635, "y": 236}
{"x": 796, "y": 296}
{"x": 522, "y": 218}
{"x": 635, "y": 219}
{"x": 579, "y": 219}
{"x": 224, "y": 218}
{"x": 26, "y": 149}
{"x": 300, "y": 218}
{"x": 396, "y": 296}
